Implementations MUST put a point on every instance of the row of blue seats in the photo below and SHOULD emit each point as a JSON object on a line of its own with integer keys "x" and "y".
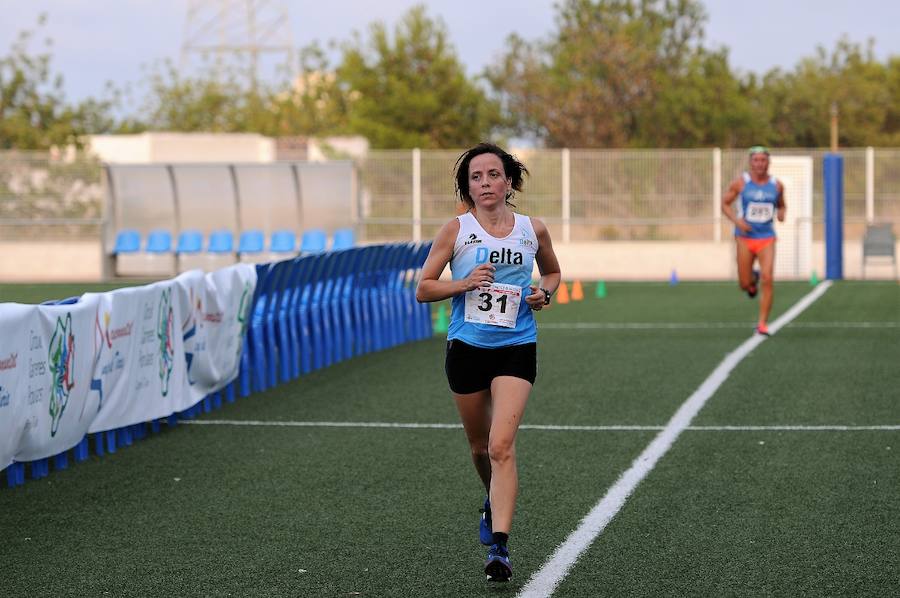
{"x": 222, "y": 241}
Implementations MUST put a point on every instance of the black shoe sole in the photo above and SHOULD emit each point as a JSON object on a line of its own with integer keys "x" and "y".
{"x": 497, "y": 571}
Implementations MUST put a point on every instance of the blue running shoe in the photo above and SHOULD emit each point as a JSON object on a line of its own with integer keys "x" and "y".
{"x": 497, "y": 566}
{"x": 485, "y": 533}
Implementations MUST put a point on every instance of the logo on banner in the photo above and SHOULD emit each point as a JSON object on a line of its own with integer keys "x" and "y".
{"x": 4, "y": 398}
{"x": 61, "y": 358}
{"x": 165, "y": 333}
{"x": 243, "y": 316}
{"x": 104, "y": 337}
{"x": 9, "y": 363}
{"x": 188, "y": 331}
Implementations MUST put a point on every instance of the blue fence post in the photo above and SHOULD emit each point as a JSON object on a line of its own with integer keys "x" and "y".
{"x": 834, "y": 216}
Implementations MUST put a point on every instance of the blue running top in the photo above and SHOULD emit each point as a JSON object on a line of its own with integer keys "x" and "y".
{"x": 758, "y": 206}
{"x": 513, "y": 257}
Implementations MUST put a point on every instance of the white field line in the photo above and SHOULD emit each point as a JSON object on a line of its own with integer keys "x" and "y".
{"x": 703, "y": 325}
{"x": 547, "y": 427}
{"x": 545, "y": 580}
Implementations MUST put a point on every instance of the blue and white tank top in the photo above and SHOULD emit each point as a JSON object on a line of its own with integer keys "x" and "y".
{"x": 488, "y": 317}
{"x": 758, "y": 205}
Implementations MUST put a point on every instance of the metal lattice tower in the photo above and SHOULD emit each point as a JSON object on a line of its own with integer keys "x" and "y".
{"x": 237, "y": 33}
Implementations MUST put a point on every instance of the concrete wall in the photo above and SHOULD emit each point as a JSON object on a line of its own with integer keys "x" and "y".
{"x": 50, "y": 261}
{"x": 82, "y": 261}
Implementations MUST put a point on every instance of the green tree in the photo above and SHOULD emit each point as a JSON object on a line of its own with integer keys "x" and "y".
{"x": 591, "y": 83}
{"x": 411, "y": 91}
{"x": 34, "y": 114}
{"x": 865, "y": 91}
{"x": 701, "y": 104}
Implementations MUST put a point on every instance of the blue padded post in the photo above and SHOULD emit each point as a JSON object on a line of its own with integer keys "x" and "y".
{"x": 834, "y": 216}
{"x": 98, "y": 444}
{"x": 111, "y": 441}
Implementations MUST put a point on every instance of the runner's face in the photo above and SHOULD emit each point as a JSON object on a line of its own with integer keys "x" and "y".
{"x": 487, "y": 181}
{"x": 759, "y": 164}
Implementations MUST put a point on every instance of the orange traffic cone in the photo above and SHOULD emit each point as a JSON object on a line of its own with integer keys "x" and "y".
{"x": 562, "y": 294}
{"x": 577, "y": 292}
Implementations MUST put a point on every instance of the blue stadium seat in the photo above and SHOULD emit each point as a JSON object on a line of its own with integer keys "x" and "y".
{"x": 159, "y": 241}
{"x": 189, "y": 241}
{"x": 344, "y": 238}
{"x": 313, "y": 241}
{"x": 251, "y": 241}
{"x": 221, "y": 241}
{"x": 283, "y": 241}
{"x": 127, "y": 241}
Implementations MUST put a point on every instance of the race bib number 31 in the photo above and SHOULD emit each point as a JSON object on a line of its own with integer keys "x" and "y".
{"x": 497, "y": 305}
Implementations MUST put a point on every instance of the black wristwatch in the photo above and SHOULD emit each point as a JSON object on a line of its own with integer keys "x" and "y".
{"x": 547, "y": 295}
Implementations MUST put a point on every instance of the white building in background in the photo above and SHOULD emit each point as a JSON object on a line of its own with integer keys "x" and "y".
{"x": 150, "y": 148}
{"x": 162, "y": 148}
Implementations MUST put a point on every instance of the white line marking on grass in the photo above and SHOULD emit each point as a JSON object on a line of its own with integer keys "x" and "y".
{"x": 792, "y": 428}
{"x": 544, "y": 581}
{"x": 704, "y": 325}
{"x": 545, "y": 427}
{"x": 295, "y": 424}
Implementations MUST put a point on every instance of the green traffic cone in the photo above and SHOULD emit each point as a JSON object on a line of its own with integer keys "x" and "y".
{"x": 441, "y": 325}
{"x": 600, "y": 291}
{"x": 814, "y": 279}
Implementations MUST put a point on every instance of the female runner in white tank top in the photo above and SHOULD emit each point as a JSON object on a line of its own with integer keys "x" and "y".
{"x": 491, "y": 349}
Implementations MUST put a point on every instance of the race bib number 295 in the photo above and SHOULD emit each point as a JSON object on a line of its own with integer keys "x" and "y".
{"x": 758, "y": 212}
{"x": 497, "y": 305}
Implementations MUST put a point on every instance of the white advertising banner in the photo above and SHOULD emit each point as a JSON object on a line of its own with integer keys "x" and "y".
{"x": 116, "y": 359}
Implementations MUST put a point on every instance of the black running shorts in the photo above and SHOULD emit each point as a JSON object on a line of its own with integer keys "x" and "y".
{"x": 471, "y": 369}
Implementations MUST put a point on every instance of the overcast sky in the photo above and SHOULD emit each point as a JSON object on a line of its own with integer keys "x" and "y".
{"x": 109, "y": 40}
